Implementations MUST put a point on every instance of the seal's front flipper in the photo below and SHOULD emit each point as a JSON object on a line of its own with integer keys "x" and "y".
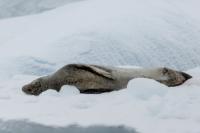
{"x": 100, "y": 71}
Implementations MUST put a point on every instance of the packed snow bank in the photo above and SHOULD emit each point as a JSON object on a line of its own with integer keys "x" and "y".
{"x": 144, "y": 105}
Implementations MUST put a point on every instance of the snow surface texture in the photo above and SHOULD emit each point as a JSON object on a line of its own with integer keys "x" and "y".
{"x": 107, "y": 32}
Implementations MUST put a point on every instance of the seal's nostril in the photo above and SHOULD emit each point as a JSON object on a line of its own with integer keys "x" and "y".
{"x": 29, "y": 90}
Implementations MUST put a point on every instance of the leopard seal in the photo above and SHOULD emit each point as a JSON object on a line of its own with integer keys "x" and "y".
{"x": 98, "y": 79}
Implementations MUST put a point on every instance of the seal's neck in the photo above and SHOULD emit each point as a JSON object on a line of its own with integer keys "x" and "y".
{"x": 48, "y": 82}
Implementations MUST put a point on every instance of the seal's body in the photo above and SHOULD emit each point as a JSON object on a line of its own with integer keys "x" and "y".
{"x": 98, "y": 79}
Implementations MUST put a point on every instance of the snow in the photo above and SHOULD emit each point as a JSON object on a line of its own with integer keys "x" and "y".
{"x": 107, "y": 32}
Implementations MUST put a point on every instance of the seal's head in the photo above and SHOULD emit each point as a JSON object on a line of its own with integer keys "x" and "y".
{"x": 33, "y": 88}
{"x": 174, "y": 78}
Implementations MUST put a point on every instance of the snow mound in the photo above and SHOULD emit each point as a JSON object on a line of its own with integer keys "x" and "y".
{"x": 142, "y": 88}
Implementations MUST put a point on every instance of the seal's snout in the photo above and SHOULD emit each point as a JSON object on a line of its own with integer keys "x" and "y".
{"x": 31, "y": 90}
{"x": 26, "y": 89}
{"x": 186, "y": 76}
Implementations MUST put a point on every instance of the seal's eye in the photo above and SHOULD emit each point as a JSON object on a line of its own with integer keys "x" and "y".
{"x": 165, "y": 70}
